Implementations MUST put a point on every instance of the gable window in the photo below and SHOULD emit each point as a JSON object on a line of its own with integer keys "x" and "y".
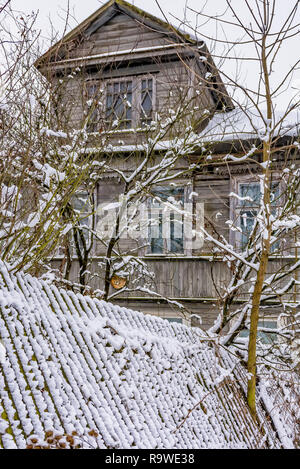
{"x": 146, "y": 101}
{"x": 124, "y": 103}
{"x": 248, "y": 205}
{"x": 119, "y": 104}
{"x": 166, "y": 225}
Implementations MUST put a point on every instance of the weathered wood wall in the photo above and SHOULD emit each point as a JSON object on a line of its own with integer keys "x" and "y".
{"x": 195, "y": 278}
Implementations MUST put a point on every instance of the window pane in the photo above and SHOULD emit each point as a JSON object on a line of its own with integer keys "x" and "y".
{"x": 166, "y": 221}
{"x": 251, "y": 192}
{"x": 156, "y": 232}
{"x": 91, "y": 91}
{"x": 93, "y": 121}
{"x": 82, "y": 207}
{"x": 118, "y": 104}
{"x": 147, "y": 104}
{"x": 146, "y": 101}
{"x": 179, "y": 320}
{"x": 275, "y": 193}
{"x": 247, "y": 219}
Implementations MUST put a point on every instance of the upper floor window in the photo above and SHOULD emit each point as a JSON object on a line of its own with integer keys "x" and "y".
{"x": 122, "y": 104}
{"x": 146, "y": 108}
{"x": 248, "y": 205}
{"x": 118, "y": 110}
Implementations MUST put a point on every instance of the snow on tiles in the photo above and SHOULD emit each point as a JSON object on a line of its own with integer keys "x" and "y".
{"x": 80, "y": 372}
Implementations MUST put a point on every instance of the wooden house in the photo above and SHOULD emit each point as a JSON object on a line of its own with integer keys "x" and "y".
{"x": 121, "y": 70}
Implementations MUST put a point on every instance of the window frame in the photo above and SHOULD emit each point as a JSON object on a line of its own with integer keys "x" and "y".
{"x": 136, "y": 108}
{"x": 187, "y": 190}
{"x": 107, "y": 83}
{"x": 236, "y": 236}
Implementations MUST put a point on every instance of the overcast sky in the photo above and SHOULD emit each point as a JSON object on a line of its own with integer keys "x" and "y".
{"x": 55, "y": 9}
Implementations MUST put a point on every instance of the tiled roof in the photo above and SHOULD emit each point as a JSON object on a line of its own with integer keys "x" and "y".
{"x": 72, "y": 363}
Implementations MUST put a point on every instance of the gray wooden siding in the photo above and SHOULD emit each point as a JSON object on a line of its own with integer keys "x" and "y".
{"x": 193, "y": 280}
{"x": 196, "y": 281}
{"x": 175, "y": 82}
{"x": 120, "y": 33}
{"x": 173, "y": 86}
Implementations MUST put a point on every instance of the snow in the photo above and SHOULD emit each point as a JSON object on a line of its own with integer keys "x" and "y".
{"x": 233, "y": 194}
{"x": 237, "y": 124}
{"x": 73, "y": 363}
{"x": 222, "y": 127}
{"x": 53, "y": 133}
{"x": 2, "y": 354}
{"x": 124, "y": 52}
{"x": 112, "y": 206}
{"x": 49, "y": 172}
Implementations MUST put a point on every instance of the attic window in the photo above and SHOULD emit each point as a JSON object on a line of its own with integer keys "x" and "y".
{"x": 119, "y": 104}
{"x": 146, "y": 100}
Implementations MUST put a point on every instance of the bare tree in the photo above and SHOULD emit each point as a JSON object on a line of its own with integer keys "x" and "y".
{"x": 271, "y": 152}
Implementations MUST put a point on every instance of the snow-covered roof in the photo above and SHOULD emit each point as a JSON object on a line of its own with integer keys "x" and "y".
{"x": 240, "y": 124}
{"x": 235, "y": 125}
{"x": 72, "y": 363}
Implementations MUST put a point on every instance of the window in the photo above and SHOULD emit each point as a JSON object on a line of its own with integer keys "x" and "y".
{"x": 264, "y": 336}
{"x": 126, "y": 103}
{"x": 119, "y": 104}
{"x": 165, "y": 223}
{"x": 146, "y": 101}
{"x": 247, "y": 207}
{"x": 82, "y": 208}
{"x": 178, "y": 320}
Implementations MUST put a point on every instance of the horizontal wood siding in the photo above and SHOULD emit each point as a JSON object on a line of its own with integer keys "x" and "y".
{"x": 120, "y": 33}
{"x": 196, "y": 279}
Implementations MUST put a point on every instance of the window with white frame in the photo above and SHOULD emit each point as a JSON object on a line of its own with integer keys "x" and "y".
{"x": 166, "y": 224}
{"x": 247, "y": 206}
{"x": 177, "y": 320}
{"x": 125, "y": 103}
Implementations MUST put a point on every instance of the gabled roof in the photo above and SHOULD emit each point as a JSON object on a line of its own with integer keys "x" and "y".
{"x": 72, "y": 363}
{"x": 105, "y": 14}
{"x": 178, "y": 41}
